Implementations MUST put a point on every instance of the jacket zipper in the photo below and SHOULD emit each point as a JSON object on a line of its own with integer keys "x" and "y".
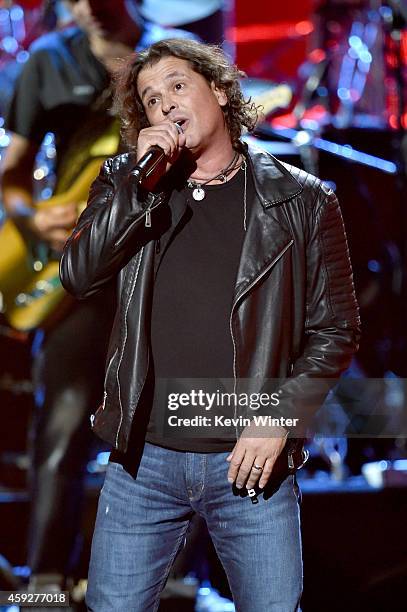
{"x": 103, "y": 406}
{"x": 256, "y": 280}
{"x": 124, "y": 343}
{"x": 156, "y": 201}
{"x": 106, "y": 376}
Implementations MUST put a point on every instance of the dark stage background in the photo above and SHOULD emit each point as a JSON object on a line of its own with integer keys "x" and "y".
{"x": 331, "y": 75}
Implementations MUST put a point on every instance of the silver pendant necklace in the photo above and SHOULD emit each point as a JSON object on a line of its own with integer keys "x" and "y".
{"x": 198, "y": 191}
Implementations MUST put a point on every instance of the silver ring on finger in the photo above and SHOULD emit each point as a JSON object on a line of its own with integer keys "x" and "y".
{"x": 257, "y": 467}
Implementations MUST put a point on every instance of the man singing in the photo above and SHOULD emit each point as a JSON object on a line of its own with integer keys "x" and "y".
{"x": 230, "y": 265}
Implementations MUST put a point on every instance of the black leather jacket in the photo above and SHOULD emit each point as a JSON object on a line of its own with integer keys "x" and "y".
{"x": 294, "y": 313}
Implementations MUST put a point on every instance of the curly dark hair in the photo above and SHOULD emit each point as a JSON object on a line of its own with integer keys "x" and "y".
{"x": 207, "y": 60}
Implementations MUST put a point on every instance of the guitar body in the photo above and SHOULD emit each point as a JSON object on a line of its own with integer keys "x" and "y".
{"x": 30, "y": 290}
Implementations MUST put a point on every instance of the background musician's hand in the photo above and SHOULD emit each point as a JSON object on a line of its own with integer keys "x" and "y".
{"x": 54, "y": 225}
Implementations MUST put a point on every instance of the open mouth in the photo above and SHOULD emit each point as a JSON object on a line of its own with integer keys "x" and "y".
{"x": 182, "y": 123}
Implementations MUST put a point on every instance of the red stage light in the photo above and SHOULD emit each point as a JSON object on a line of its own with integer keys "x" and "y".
{"x": 269, "y": 32}
{"x": 317, "y": 55}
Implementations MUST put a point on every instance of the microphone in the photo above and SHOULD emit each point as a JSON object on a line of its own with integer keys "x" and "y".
{"x": 151, "y": 159}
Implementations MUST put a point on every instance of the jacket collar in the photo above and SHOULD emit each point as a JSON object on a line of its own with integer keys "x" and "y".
{"x": 273, "y": 182}
{"x": 268, "y": 236}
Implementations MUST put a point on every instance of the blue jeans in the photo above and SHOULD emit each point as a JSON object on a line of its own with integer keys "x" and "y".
{"x": 142, "y": 521}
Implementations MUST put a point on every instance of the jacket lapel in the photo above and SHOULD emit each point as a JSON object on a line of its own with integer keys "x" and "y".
{"x": 273, "y": 181}
{"x": 267, "y": 236}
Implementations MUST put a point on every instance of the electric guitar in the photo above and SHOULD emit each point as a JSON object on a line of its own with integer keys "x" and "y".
{"x": 30, "y": 289}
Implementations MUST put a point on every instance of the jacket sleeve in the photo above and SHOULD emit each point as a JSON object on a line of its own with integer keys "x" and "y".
{"x": 332, "y": 326}
{"x": 109, "y": 232}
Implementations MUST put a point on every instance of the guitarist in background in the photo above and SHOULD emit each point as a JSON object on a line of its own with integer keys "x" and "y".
{"x": 64, "y": 88}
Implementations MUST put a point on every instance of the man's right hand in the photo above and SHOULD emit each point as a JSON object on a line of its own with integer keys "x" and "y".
{"x": 54, "y": 225}
{"x": 166, "y": 136}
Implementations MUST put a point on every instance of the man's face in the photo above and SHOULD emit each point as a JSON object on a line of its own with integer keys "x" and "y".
{"x": 171, "y": 89}
{"x": 102, "y": 17}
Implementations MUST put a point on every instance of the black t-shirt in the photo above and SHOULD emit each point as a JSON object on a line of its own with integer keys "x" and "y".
{"x": 193, "y": 292}
{"x": 59, "y": 86}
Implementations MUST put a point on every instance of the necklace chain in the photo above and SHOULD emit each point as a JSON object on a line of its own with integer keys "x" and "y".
{"x": 221, "y": 175}
{"x": 199, "y": 193}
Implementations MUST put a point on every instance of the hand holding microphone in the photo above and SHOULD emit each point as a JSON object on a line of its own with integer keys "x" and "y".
{"x": 157, "y": 146}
